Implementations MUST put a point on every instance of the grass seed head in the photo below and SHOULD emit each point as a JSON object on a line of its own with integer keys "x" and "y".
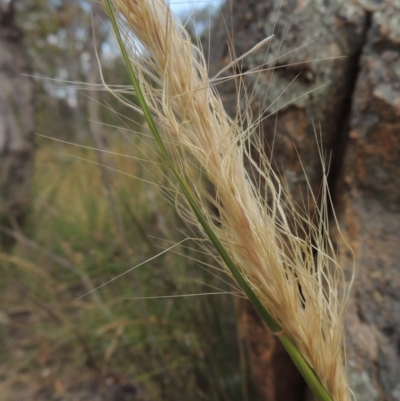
{"x": 287, "y": 259}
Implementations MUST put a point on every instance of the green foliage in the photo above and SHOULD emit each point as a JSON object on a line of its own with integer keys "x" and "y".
{"x": 194, "y": 352}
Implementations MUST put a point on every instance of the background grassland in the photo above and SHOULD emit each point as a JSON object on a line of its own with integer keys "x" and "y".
{"x": 106, "y": 345}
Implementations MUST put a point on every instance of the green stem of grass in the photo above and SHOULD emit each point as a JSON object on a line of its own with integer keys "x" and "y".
{"x": 304, "y": 368}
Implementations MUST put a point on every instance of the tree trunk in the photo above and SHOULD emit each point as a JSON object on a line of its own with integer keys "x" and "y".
{"x": 355, "y": 101}
{"x": 16, "y": 123}
{"x": 368, "y": 205}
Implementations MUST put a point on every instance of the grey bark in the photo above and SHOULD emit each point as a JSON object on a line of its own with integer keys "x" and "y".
{"x": 368, "y": 203}
{"x": 355, "y": 100}
{"x": 16, "y": 121}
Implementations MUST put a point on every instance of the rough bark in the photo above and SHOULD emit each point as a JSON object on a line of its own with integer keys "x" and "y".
{"x": 273, "y": 372}
{"x": 16, "y": 121}
{"x": 368, "y": 204}
{"x": 360, "y": 127}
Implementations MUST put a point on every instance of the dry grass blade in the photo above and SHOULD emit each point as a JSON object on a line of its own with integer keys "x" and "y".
{"x": 280, "y": 256}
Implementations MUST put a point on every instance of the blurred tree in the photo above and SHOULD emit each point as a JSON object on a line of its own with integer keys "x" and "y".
{"x": 16, "y": 122}
{"x": 56, "y": 33}
{"x": 60, "y": 45}
{"x": 356, "y": 100}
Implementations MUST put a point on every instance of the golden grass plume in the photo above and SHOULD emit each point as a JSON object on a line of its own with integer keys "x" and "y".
{"x": 287, "y": 260}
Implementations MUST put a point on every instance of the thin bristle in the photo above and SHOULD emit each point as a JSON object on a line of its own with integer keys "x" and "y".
{"x": 288, "y": 261}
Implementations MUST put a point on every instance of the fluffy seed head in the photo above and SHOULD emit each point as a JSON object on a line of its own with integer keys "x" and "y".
{"x": 288, "y": 261}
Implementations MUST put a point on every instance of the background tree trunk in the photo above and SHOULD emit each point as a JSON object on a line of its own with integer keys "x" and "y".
{"x": 16, "y": 122}
{"x": 355, "y": 101}
{"x": 368, "y": 204}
